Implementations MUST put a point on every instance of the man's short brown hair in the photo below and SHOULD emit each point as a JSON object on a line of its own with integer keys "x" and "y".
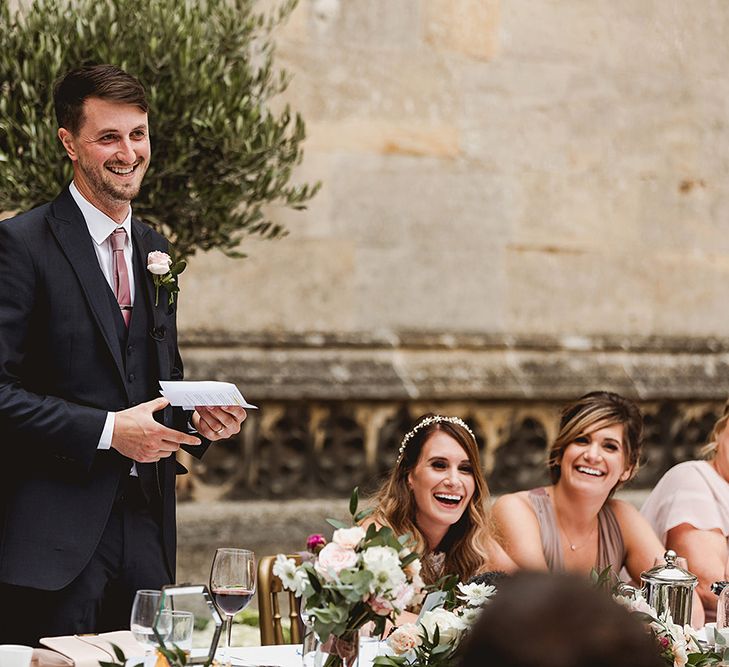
{"x": 106, "y": 82}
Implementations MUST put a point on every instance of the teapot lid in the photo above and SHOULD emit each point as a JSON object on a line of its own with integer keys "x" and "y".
{"x": 669, "y": 572}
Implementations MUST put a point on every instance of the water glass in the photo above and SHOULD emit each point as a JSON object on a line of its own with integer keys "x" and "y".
{"x": 181, "y": 627}
{"x": 145, "y": 610}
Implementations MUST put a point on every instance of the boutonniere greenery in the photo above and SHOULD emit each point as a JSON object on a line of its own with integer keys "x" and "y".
{"x": 164, "y": 270}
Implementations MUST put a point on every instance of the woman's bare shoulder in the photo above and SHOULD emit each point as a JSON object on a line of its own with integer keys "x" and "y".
{"x": 510, "y": 502}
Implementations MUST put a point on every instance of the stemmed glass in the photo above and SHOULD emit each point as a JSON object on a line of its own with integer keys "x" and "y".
{"x": 233, "y": 583}
{"x": 310, "y": 641}
{"x": 145, "y": 611}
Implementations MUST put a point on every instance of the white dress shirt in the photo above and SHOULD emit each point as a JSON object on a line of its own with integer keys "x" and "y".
{"x": 101, "y": 227}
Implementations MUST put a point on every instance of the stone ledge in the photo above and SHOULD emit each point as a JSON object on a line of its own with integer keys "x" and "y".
{"x": 489, "y": 372}
{"x": 438, "y": 340}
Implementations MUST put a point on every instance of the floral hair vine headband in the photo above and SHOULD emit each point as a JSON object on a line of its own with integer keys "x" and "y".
{"x": 427, "y": 422}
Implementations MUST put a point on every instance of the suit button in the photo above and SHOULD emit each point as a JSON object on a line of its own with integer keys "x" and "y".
{"x": 130, "y": 349}
{"x": 131, "y": 377}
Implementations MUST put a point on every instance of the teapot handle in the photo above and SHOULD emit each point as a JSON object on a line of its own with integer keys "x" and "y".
{"x": 627, "y": 590}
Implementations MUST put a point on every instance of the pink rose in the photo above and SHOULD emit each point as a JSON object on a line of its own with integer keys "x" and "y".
{"x": 334, "y": 558}
{"x": 315, "y": 543}
{"x": 348, "y": 537}
{"x": 404, "y": 639}
{"x": 158, "y": 262}
{"x": 380, "y": 605}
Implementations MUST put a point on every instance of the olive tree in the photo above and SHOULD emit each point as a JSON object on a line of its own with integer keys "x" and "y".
{"x": 223, "y": 148}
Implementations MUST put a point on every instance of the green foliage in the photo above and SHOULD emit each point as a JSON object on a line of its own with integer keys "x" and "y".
{"x": 121, "y": 658}
{"x": 222, "y": 154}
{"x": 604, "y": 580}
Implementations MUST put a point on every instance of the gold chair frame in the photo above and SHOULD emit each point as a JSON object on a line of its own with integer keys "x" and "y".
{"x": 269, "y": 610}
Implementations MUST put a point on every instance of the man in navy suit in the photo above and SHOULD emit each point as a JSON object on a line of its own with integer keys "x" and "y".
{"x": 87, "y": 487}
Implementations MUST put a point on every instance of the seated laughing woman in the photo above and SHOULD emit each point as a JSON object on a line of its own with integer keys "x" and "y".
{"x": 437, "y": 493}
{"x": 575, "y": 524}
{"x": 689, "y": 509}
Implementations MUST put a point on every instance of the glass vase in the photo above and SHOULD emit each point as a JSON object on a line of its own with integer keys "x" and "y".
{"x": 338, "y": 651}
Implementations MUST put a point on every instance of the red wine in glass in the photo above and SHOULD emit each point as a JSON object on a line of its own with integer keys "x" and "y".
{"x": 233, "y": 583}
{"x": 232, "y": 600}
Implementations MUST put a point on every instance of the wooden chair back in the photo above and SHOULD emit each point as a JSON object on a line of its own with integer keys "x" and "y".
{"x": 269, "y": 609}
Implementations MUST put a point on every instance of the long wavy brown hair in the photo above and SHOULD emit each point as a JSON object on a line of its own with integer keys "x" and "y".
{"x": 465, "y": 543}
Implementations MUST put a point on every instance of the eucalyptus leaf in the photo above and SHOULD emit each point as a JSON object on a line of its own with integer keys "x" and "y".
{"x": 363, "y": 514}
{"x": 353, "y": 501}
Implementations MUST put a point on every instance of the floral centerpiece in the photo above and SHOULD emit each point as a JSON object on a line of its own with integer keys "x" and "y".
{"x": 360, "y": 576}
{"x": 434, "y": 640}
{"x": 678, "y": 646}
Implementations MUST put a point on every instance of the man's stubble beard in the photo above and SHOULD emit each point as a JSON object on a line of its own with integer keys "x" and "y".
{"x": 108, "y": 190}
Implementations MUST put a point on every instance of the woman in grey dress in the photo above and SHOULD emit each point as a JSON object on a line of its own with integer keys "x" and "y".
{"x": 575, "y": 524}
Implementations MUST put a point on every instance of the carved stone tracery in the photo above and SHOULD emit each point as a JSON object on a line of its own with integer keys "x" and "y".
{"x": 320, "y": 449}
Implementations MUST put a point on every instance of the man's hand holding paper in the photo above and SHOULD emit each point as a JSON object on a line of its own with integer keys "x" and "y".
{"x": 218, "y": 422}
{"x": 219, "y": 406}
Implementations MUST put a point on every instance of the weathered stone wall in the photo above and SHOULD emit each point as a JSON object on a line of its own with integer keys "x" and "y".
{"x": 504, "y": 167}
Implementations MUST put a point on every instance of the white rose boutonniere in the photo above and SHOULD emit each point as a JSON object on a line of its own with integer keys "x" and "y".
{"x": 164, "y": 272}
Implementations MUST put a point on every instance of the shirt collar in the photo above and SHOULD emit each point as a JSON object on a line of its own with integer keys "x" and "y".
{"x": 100, "y": 225}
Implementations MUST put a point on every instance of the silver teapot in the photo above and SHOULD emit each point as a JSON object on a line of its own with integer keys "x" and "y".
{"x": 667, "y": 587}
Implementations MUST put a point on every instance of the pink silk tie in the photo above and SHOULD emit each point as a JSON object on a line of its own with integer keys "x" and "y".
{"x": 121, "y": 274}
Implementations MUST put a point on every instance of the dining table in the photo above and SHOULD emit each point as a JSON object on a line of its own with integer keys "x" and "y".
{"x": 290, "y": 655}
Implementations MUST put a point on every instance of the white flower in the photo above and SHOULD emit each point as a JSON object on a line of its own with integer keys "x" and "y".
{"x": 384, "y": 563}
{"x": 680, "y": 657}
{"x": 449, "y": 625}
{"x": 469, "y": 615}
{"x": 636, "y": 603}
{"x": 404, "y": 639}
{"x": 158, "y": 262}
{"x": 475, "y": 595}
{"x": 332, "y": 559}
{"x": 348, "y": 538}
{"x": 292, "y": 578}
{"x": 402, "y": 595}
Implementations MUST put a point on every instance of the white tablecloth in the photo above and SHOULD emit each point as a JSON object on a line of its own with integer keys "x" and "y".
{"x": 285, "y": 655}
{"x": 289, "y": 655}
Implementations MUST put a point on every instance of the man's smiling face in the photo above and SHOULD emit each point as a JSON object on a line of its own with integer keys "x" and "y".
{"x": 110, "y": 154}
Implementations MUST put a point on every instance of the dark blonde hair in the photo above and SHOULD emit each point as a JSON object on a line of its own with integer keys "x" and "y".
{"x": 465, "y": 542}
{"x": 598, "y": 407}
{"x": 708, "y": 451}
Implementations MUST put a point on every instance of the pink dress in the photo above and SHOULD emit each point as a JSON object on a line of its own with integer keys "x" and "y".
{"x": 691, "y": 492}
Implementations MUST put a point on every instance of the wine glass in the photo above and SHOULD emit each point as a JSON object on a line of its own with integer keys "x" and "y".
{"x": 310, "y": 641}
{"x": 145, "y": 612}
{"x": 233, "y": 583}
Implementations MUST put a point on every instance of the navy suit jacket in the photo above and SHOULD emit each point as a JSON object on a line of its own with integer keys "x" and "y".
{"x": 61, "y": 371}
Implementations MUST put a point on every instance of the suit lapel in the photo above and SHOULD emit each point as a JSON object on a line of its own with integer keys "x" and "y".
{"x": 144, "y": 240}
{"x": 69, "y": 227}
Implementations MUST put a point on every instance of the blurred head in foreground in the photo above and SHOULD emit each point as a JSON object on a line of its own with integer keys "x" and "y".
{"x": 556, "y": 620}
